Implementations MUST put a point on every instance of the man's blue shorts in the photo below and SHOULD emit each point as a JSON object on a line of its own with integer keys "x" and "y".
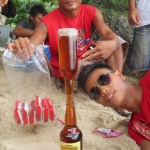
{"x": 139, "y": 54}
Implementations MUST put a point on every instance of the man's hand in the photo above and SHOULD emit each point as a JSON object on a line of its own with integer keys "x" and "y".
{"x": 22, "y": 47}
{"x": 134, "y": 17}
{"x": 3, "y": 2}
{"x": 102, "y": 50}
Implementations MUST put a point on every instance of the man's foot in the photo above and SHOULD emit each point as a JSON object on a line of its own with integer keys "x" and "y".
{"x": 123, "y": 112}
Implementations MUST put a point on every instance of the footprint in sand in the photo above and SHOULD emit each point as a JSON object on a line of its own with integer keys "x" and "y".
{"x": 2, "y": 147}
{"x": 112, "y": 147}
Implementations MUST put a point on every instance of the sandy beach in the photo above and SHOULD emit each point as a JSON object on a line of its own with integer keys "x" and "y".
{"x": 46, "y": 135}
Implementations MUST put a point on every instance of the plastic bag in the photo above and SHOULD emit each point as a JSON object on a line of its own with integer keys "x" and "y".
{"x": 31, "y": 87}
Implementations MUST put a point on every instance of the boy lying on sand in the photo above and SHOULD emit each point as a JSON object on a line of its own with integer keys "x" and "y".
{"x": 107, "y": 87}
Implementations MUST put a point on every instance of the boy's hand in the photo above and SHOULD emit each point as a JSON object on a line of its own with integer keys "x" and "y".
{"x": 134, "y": 17}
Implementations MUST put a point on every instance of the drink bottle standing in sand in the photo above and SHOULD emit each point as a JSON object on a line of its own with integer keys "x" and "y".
{"x": 70, "y": 136}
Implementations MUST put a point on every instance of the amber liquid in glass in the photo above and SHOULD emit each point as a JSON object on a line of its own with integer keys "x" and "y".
{"x": 70, "y": 136}
{"x": 68, "y": 57}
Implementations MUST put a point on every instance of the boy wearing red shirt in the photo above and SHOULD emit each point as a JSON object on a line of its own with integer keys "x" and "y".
{"x": 107, "y": 87}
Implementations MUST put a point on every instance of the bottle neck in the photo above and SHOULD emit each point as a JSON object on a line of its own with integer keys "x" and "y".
{"x": 70, "y": 116}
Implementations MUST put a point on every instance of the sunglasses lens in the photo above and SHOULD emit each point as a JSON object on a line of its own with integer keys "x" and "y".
{"x": 94, "y": 93}
{"x": 104, "y": 79}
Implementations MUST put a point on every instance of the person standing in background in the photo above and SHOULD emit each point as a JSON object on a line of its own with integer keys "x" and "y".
{"x": 139, "y": 17}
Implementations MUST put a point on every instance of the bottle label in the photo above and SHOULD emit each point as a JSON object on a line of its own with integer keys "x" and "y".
{"x": 70, "y": 146}
{"x": 74, "y": 134}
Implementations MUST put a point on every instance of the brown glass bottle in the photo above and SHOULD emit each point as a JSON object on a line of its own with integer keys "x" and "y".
{"x": 70, "y": 136}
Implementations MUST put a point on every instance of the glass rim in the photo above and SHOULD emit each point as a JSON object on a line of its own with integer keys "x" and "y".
{"x": 68, "y": 31}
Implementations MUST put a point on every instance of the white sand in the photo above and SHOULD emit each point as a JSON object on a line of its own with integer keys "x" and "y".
{"x": 45, "y": 136}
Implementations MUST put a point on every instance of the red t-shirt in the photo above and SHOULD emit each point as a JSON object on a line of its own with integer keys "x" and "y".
{"x": 56, "y": 20}
{"x": 144, "y": 115}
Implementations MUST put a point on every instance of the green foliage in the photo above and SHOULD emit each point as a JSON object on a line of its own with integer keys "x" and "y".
{"x": 91, "y": 2}
{"x": 110, "y": 8}
{"x": 24, "y": 6}
{"x": 115, "y": 15}
{"x": 117, "y": 5}
{"x": 109, "y": 5}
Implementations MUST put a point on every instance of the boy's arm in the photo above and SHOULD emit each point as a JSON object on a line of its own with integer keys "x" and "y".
{"x": 40, "y": 33}
{"x": 23, "y": 45}
{"x": 109, "y": 43}
{"x": 22, "y": 29}
{"x": 145, "y": 145}
{"x": 133, "y": 16}
{"x": 102, "y": 28}
{"x": 22, "y": 32}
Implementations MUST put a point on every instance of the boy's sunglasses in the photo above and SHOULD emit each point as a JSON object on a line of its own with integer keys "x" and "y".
{"x": 103, "y": 80}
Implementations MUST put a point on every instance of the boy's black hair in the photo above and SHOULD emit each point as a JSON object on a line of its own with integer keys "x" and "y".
{"x": 87, "y": 70}
{"x": 37, "y": 9}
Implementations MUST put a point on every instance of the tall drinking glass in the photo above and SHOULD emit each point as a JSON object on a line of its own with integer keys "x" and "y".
{"x": 68, "y": 52}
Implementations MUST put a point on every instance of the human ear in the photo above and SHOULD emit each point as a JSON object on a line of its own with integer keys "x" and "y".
{"x": 118, "y": 73}
{"x": 31, "y": 18}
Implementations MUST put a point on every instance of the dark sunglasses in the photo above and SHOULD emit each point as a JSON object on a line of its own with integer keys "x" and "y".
{"x": 103, "y": 80}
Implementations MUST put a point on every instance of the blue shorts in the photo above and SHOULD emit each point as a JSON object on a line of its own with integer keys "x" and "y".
{"x": 139, "y": 54}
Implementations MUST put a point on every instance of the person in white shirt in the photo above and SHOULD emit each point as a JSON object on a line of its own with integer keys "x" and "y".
{"x": 139, "y": 17}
